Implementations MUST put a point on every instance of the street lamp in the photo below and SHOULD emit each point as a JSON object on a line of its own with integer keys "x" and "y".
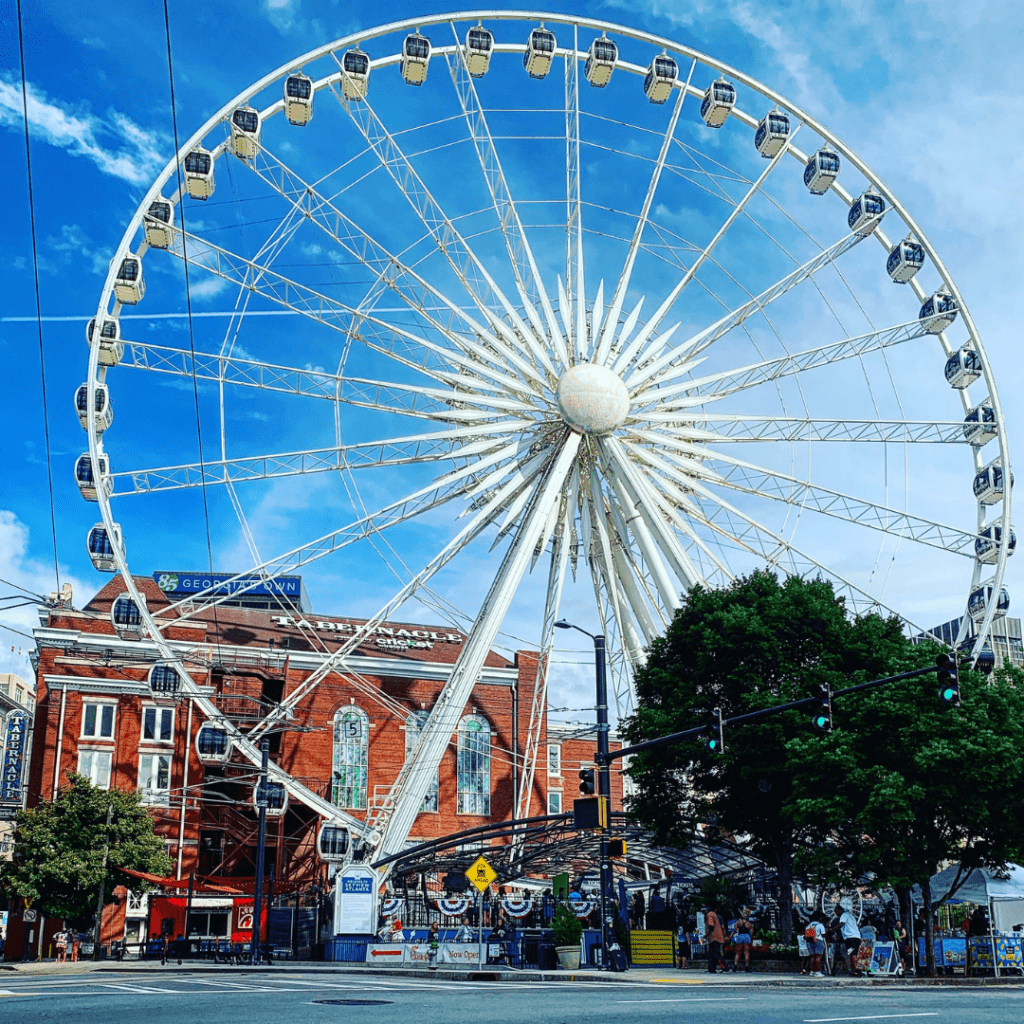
{"x": 603, "y": 777}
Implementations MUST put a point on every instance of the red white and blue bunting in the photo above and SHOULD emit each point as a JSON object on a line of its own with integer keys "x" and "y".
{"x": 517, "y": 908}
{"x": 454, "y": 907}
{"x": 581, "y": 908}
{"x": 391, "y": 906}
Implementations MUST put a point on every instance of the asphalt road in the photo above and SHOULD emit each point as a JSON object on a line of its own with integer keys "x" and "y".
{"x": 294, "y": 997}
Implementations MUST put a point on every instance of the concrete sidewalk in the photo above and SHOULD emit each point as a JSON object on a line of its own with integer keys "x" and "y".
{"x": 636, "y": 976}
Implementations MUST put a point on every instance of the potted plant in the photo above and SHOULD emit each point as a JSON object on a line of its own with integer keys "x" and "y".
{"x": 567, "y": 930}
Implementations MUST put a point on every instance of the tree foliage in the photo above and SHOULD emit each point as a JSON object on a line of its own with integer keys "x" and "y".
{"x": 57, "y": 865}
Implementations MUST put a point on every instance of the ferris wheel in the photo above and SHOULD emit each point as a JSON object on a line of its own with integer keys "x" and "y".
{"x": 551, "y": 286}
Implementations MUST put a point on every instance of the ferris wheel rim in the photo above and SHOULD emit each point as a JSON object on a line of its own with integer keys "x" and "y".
{"x": 174, "y": 165}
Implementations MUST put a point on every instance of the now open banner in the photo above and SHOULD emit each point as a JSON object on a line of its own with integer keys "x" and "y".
{"x": 450, "y": 954}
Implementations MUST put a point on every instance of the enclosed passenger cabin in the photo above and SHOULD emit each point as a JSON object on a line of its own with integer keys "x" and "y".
{"x": 332, "y": 843}
{"x": 159, "y": 223}
{"x": 102, "y": 408}
{"x": 126, "y": 616}
{"x": 938, "y": 312}
{"x": 272, "y": 795}
{"x": 772, "y": 132}
{"x": 355, "y": 74}
{"x": 540, "y": 52}
{"x": 87, "y": 480}
{"x": 989, "y": 484}
{"x": 601, "y": 58}
{"x": 164, "y": 681}
{"x": 978, "y": 602}
{"x": 821, "y": 170}
{"x": 963, "y": 368}
{"x": 719, "y": 99}
{"x": 245, "y": 133}
{"x": 661, "y": 77}
{"x": 478, "y": 49}
{"x": 199, "y": 173}
{"x": 298, "y": 99}
{"x": 866, "y": 213}
{"x": 213, "y": 744}
{"x": 906, "y": 258}
{"x": 100, "y": 544}
{"x": 415, "y": 59}
{"x": 109, "y": 340}
{"x": 129, "y": 286}
{"x": 980, "y": 425}
{"x": 986, "y": 546}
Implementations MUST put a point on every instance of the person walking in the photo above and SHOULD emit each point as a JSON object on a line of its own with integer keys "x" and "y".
{"x": 850, "y": 939}
{"x": 742, "y": 939}
{"x": 60, "y": 940}
{"x": 76, "y": 946}
{"x": 714, "y": 936}
{"x": 683, "y": 943}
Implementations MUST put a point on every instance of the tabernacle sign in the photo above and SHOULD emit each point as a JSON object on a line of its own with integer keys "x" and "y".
{"x": 356, "y": 901}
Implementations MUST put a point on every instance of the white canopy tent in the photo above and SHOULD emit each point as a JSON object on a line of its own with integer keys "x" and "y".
{"x": 1001, "y": 891}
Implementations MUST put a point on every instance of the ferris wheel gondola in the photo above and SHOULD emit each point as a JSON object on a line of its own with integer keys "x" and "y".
{"x": 245, "y": 133}
{"x": 355, "y": 77}
{"x": 601, "y": 58}
{"x": 159, "y": 224}
{"x": 415, "y": 59}
{"x": 108, "y": 339}
{"x": 298, "y": 99}
{"x": 100, "y": 544}
{"x": 539, "y": 52}
{"x": 102, "y": 412}
{"x": 661, "y": 78}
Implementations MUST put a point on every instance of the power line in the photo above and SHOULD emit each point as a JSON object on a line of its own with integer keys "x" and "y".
{"x": 35, "y": 274}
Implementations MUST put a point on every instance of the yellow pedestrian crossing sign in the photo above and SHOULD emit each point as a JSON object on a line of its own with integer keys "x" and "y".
{"x": 481, "y": 874}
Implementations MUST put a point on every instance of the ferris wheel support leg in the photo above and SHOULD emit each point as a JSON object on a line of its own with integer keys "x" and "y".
{"x": 415, "y": 777}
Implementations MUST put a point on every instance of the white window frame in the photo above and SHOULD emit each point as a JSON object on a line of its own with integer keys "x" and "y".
{"x": 413, "y": 728}
{"x": 350, "y": 759}
{"x": 99, "y": 705}
{"x": 554, "y": 796}
{"x": 473, "y": 767}
{"x": 90, "y": 772}
{"x": 155, "y": 795}
{"x": 159, "y": 711}
{"x": 554, "y": 759}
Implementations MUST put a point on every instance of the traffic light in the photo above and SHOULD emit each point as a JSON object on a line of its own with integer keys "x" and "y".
{"x": 616, "y": 847}
{"x": 949, "y": 680}
{"x": 822, "y": 717}
{"x": 714, "y": 735}
{"x": 588, "y": 785}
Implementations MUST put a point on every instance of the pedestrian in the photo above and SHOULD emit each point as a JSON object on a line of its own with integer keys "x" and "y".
{"x": 639, "y": 908}
{"x": 802, "y": 949}
{"x": 899, "y": 937}
{"x": 714, "y": 936}
{"x": 815, "y": 935}
{"x": 76, "y": 946}
{"x": 60, "y": 940}
{"x": 434, "y": 938}
{"x": 850, "y": 937}
{"x": 683, "y": 944}
{"x": 397, "y": 935}
{"x": 742, "y": 939}
{"x": 465, "y": 933}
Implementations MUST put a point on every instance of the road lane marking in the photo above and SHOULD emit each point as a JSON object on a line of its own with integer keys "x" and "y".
{"x": 144, "y": 989}
{"x": 874, "y": 1016}
{"x": 688, "y": 999}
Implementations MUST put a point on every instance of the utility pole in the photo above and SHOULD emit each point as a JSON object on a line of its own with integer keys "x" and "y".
{"x": 103, "y": 883}
{"x": 261, "y": 802}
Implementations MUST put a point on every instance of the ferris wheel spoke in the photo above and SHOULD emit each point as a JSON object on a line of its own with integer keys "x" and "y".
{"x": 414, "y": 777}
{"x": 419, "y": 296}
{"x": 646, "y": 369}
{"x": 728, "y": 382}
{"x": 788, "y": 428}
{"x": 468, "y": 267}
{"x": 628, "y": 607}
{"x": 612, "y": 320}
{"x": 421, "y": 448}
{"x": 521, "y": 259}
{"x": 674, "y": 294}
{"x": 575, "y": 288}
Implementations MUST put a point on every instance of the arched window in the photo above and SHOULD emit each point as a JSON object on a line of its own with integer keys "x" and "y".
{"x": 413, "y": 727}
{"x": 351, "y": 753}
{"x": 474, "y": 762}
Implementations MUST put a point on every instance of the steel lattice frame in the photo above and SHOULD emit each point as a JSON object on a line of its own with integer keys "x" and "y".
{"x": 646, "y": 508}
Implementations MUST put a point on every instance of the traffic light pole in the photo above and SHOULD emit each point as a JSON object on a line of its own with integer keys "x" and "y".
{"x": 604, "y": 791}
{"x": 261, "y": 842}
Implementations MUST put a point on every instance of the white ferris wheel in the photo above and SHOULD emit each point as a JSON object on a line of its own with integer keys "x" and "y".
{"x": 550, "y": 286}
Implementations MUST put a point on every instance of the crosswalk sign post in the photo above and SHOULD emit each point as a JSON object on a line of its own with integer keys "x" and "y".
{"x": 481, "y": 874}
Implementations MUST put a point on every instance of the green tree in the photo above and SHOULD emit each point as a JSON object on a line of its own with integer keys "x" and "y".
{"x": 57, "y": 864}
{"x": 912, "y": 783}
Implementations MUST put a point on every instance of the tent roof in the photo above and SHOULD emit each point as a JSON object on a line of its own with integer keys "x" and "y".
{"x": 982, "y": 884}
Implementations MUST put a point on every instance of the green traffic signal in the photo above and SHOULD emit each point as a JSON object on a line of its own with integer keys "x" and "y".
{"x": 714, "y": 733}
{"x": 949, "y": 680}
{"x": 822, "y": 720}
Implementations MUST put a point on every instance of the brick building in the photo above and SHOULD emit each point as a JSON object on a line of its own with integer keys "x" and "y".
{"x": 98, "y": 715}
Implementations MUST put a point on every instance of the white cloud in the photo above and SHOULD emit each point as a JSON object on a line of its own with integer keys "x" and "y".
{"x": 281, "y": 13}
{"x": 117, "y": 146}
{"x": 19, "y": 567}
{"x": 206, "y": 287}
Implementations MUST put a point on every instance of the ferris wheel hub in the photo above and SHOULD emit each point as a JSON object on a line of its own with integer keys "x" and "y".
{"x": 592, "y": 399}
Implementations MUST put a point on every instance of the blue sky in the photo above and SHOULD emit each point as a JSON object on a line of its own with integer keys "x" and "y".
{"x": 925, "y": 93}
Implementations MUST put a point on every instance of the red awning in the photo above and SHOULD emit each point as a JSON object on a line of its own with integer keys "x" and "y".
{"x": 179, "y": 883}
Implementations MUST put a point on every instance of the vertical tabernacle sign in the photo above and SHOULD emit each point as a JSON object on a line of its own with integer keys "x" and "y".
{"x": 14, "y": 757}
{"x": 355, "y": 901}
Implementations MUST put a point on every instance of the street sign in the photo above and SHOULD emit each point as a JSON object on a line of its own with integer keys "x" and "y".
{"x": 481, "y": 874}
